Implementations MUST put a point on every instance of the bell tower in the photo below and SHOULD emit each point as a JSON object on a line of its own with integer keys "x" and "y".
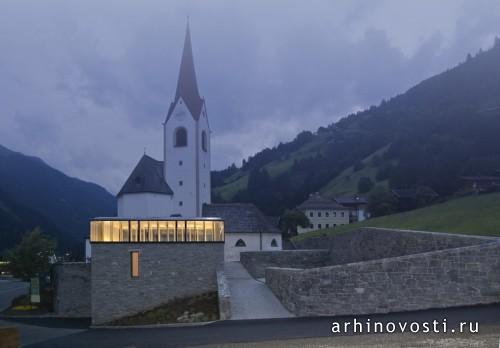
{"x": 187, "y": 141}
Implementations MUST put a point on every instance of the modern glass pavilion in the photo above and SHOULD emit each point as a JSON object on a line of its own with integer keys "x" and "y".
{"x": 170, "y": 230}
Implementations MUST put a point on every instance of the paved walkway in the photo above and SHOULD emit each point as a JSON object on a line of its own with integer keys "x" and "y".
{"x": 250, "y": 298}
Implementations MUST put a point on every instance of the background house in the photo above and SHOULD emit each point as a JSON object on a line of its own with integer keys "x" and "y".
{"x": 358, "y": 207}
{"x": 322, "y": 213}
{"x": 481, "y": 183}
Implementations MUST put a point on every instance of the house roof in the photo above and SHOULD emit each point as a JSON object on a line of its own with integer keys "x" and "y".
{"x": 412, "y": 193}
{"x": 316, "y": 201}
{"x": 351, "y": 200}
{"x": 187, "y": 87}
{"x": 147, "y": 176}
{"x": 481, "y": 178}
{"x": 240, "y": 217}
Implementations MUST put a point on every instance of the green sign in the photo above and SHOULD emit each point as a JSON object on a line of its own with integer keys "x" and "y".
{"x": 35, "y": 290}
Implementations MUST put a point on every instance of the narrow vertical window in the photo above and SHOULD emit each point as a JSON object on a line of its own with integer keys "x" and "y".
{"x": 180, "y": 137}
{"x": 204, "y": 145}
{"x": 134, "y": 264}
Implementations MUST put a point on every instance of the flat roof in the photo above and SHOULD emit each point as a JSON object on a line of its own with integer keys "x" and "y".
{"x": 138, "y": 218}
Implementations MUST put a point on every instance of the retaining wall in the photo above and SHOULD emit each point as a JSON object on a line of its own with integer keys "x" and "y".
{"x": 72, "y": 289}
{"x": 256, "y": 262}
{"x": 455, "y": 277}
{"x": 370, "y": 243}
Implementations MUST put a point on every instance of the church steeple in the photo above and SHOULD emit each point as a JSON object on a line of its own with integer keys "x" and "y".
{"x": 187, "y": 87}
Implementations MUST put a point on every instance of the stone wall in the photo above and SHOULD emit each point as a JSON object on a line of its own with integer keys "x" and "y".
{"x": 223, "y": 296}
{"x": 369, "y": 243}
{"x": 455, "y": 277}
{"x": 72, "y": 289}
{"x": 256, "y": 262}
{"x": 167, "y": 271}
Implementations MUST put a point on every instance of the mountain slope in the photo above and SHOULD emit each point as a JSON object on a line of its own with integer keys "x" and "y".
{"x": 16, "y": 219}
{"x": 444, "y": 127}
{"x": 476, "y": 215}
{"x": 28, "y": 184}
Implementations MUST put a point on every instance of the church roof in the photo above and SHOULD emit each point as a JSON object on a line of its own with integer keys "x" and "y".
{"x": 187, "y": 87}
{"x": 240, "y": 217}
{"x": 315, "y": 201}
{"x": 147, "y": 176}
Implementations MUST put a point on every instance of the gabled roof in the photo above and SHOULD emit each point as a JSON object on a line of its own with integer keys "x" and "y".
{"x": 351, "y": 200}
{"x": 187, "y": 87}
{"x": 147, "y": 176}
{"x": 412, "y": 193}
{"x": 240, "y": 217}
{"x": 315, "y": 201}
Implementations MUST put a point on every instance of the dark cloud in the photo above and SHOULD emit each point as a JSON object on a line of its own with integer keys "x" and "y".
{"x": 87, "y": 85}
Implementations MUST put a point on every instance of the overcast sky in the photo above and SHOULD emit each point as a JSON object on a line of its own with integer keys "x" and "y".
{"x": 85, "y": 85}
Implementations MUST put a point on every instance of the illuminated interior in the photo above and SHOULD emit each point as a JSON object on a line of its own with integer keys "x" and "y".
{"x": 156, "y": 231}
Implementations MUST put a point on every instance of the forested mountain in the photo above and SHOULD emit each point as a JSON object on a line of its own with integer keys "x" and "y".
{"x": 444, "y": 127}
{"x": 34, "y": 194}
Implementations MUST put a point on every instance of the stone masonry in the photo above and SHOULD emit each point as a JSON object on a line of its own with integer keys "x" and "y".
{"x": 167, "y": 271}
{"x": 445, "y": 278}
{"x": 370, "y": 243}
{"x": 223, "y": 296}
{"x": 256, "y": 262}
{"x": 72, "y": 289}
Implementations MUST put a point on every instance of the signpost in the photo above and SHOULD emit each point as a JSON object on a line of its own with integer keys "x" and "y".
{"x": 35, "y": 290}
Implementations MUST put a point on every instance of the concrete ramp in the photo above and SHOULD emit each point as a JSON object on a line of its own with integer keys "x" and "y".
{"x": 250, "y": 298}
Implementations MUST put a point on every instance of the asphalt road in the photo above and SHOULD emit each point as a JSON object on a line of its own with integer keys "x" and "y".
{"x": 255, "y": 330}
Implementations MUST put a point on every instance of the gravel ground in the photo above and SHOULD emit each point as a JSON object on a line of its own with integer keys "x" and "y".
{"x": 488, "y": 337}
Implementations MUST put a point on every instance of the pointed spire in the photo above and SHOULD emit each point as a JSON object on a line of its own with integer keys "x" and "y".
{"x": 187, "y": 87}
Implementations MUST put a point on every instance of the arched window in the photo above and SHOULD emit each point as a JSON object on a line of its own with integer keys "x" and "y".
{"x": 180, "y": 137}
{"x": 240, "y": 243}
{"x": 204, "y": 145}
{"x": 274, "y": 243}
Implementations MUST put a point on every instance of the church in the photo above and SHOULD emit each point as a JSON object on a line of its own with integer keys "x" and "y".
{"x": 179, "y": 185}
{"x": 168, "y": 239}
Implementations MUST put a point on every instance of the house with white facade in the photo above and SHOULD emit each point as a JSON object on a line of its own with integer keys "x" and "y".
{"x": 358, "y": 207}
{"x": 322, "y": 213}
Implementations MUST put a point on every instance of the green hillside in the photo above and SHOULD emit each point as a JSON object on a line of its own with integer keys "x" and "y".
{"x": 439, "y": 130}
{"x": 346, "y": 183}
{"x": 478, "y": 215}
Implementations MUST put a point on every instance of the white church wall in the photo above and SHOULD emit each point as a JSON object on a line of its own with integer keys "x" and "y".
{"x": 204, "y": 160}
{"x": 253, "y": 242}
{"x": 232, "y": 252}
{"x": 145, "y": 205}
{"x": 267, "y": 239}
{"x": 180, "y": 162}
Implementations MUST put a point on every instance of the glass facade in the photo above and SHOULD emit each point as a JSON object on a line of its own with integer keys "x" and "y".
{"x": 156, "y": 231}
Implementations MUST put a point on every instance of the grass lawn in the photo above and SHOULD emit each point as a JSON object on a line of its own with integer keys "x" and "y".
{"x": 475, "y": 215}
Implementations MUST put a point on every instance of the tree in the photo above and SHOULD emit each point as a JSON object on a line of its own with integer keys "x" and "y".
{"x": 31, "y": 255}
{"x": 290, "y": 220}
{"x": 365, "y": 184}
{"x": 382, "y": 202}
